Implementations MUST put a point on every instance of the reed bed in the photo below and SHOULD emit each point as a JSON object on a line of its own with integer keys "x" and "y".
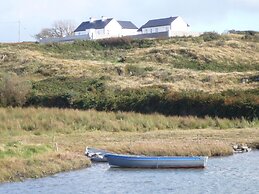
{"x": 38, "y": 120}
{"x": 36, "y": 142}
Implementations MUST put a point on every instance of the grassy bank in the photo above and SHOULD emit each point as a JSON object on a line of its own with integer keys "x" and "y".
{"x": 39, "y": 142}
{"x": 207, "y": 75}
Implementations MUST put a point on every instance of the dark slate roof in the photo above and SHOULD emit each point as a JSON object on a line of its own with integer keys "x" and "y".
{"x": 158, "y": 22}
{"x": 97, "y": 24}
{"x": 127, "y": 25}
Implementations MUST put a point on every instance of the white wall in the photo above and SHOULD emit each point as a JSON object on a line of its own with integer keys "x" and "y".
{"x": 181, "y": 33}
{"x": 99, "y": 32}
{"x": 179, "y": 25}
{"x": 113, "y": 29}
{"x": 129, "y": 32}
{"x": 156, "y": 29}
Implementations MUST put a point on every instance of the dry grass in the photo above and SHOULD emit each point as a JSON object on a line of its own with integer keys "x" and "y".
{"x": 186, "y": 80}
{"x": 32, "y": 62}
{"x": 41, "y": 120}
{"x": 17, "y": 169}
{"x": 39, "y": 142}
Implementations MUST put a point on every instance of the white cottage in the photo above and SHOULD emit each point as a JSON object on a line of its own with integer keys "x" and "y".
{"x": 173, "y": 25}
{"x": 106, "y": 28}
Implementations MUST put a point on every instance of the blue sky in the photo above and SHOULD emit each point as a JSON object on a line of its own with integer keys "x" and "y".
{"x": 202, "y": 15}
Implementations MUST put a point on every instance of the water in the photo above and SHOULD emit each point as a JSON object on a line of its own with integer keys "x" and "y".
{"x": 234, "y": 174}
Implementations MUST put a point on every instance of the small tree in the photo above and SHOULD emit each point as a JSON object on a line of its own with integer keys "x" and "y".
{"x": 44, "y": 33}
{"x": 59, "y": 29}
{"x": 14, "y": 90}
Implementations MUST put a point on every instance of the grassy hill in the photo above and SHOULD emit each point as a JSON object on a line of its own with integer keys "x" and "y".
{"x": 211, "y": 80}
{"x": 108, "y": 73}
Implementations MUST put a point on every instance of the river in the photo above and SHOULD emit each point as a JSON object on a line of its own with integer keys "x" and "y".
{"x": 234, "y": 174}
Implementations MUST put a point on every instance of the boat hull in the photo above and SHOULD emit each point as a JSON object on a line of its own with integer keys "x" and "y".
{"x": 125, "y": 161}
{"x": 96, "y": 155}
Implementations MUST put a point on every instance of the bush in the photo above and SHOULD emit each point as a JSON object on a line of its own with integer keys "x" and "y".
{"x": 143, "y": 43}
{"x": 123, "y": 43}
{"x": 210, "y": 36}
{"x": 85, "y": 93}
{"x": 134, "y": 70}
{"x": 14, "y": 90}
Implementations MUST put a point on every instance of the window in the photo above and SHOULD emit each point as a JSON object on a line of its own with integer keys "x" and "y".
{"x": 156, "y": 30}
{"x": 151, "y": 30}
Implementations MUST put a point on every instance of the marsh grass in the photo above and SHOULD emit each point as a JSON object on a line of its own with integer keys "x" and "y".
{"x": 62, "y": 120}
{"x": 17, "y": 169}
{"x": 37, "y": 142}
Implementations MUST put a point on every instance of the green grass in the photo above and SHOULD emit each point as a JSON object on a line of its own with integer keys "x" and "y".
{"x": 17, "y": 149}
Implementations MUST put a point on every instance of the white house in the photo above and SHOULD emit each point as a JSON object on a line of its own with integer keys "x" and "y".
{"x": 173, "y": 25}
{"x": 106, "y": 28}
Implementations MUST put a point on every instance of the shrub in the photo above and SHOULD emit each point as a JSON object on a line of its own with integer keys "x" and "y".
{"x": 134, "y": 70}
{"x": 143, "y": 43}
{"x": 251, "y": 37}
{"x": 124, "y": 43}
{"x": 14, "y": 90}
{"x": 210, "y": 36}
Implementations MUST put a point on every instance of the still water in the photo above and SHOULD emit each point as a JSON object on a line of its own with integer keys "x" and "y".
{"x": 234, "y": 174}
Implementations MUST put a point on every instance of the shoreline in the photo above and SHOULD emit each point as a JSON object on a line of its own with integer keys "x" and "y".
{"x": 36, "y": 142}
{"x": 88, "y": 165}
{"x": 62, "y": 161}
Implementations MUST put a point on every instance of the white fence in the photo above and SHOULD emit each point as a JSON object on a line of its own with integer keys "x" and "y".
{"x": 193, "y": 34}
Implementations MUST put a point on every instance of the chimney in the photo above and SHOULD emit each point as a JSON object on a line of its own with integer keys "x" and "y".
{"x": 104, "y": 18}
{"x": 92, "y": 19}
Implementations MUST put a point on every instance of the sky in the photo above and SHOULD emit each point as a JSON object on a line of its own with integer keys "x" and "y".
{"x": 201, "y": 15}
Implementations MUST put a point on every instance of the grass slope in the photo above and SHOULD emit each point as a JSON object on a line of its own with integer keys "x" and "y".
{"x": 177, "y": 63}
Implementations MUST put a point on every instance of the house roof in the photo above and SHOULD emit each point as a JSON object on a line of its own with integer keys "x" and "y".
{"x": 100, "y": 24}
{"x": 158, "y": 22}
{"x": 127, "y": 25}
{"x": 97, "y": 24}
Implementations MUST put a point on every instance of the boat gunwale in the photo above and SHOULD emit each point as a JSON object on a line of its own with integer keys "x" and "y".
{"x": 178, "y": 158}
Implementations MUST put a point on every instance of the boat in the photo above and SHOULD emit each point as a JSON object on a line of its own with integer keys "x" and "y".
{"x": 131, "y": 161}
{"x": 241, "y": 148}
{"x": 96, "y": 155}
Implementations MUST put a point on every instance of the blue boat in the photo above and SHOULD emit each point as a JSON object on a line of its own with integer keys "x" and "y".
{"x": 131, "y": 161}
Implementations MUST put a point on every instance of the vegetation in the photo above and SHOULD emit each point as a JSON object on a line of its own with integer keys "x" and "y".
{"x": 87, "y": 93}
{"x": 210, "y": 75}
{"x": 39, "y": 142}
{"x": 14, "y": 91}
{"x": 199, "y": 94}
